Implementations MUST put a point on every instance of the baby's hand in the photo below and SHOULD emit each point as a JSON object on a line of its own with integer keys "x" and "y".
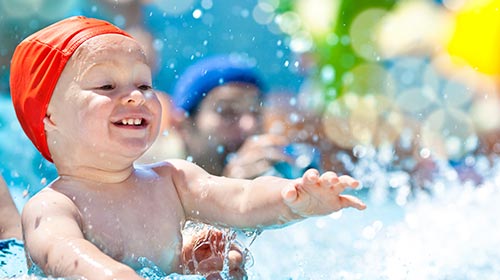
{"x": 203, "y": 254}
{"x": 314, "y": 195}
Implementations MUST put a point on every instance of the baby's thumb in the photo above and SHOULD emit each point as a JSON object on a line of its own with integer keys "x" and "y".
{"x": 235, "y": 259}
{"x": 289, "y": 194}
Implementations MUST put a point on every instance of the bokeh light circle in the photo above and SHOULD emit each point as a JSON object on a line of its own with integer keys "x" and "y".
{"x": 318, "y": 16}
{"x": 301, "y": 42}
{"x": 362, "y": 33}
{"x": 263, "y": 13}
{"x": 288, "y": 22}
{"x": 369, "y": 78}
{"x": 362, "y": 120}
{"x": 412, "y": 72}
{"x": 456, "y": 94}
{"x": 417, "y": 101}
{"x": 485, "y": 114}
{"x": 449, "y": 133}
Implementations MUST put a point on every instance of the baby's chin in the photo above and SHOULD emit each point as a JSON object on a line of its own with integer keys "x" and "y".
{"x": 123, "y": 154}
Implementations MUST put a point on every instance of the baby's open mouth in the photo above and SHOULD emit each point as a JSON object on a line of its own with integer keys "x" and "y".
{"x": 135, "y": 122}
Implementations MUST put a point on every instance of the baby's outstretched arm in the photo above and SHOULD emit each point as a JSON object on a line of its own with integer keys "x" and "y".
{"x": 316, "y": 194}
{"x": 55, "y": 242}
{"x": 263, "y": 202}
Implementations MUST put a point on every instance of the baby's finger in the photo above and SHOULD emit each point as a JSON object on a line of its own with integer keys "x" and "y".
{"x": 348, "y": 181}
{"x": 289, "y": 194}
{"x": 329, "y": 179}
{"x": 351, "y": 201}
{"x": 235, "y": 258}
{"x": 311, "y": 177}
{"x": 344, "y": 182}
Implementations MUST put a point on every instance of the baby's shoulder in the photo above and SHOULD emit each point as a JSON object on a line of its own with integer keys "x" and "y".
{"x": 49, "y": 194}
{"x": 177, "y": 171}
{"x": 49, "y": 200}
{"x": 171, "y": 167}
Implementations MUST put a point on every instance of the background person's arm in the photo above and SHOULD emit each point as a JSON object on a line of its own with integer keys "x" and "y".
{"x": 256, "y": 156}
{"x": 10, "y": 220}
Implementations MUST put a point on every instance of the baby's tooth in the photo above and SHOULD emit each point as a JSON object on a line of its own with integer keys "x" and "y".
{"x": 137, "y": 121}
{"x": 130, "y": 121}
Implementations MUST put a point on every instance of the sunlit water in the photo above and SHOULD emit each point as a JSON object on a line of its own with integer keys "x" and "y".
{"x": 454, "y": 236}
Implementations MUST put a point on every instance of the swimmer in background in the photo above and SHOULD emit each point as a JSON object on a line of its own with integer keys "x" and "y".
{"x": 10, "y": 220}
{"x": 82, "y": 93}
{"x": 222, "y": 97}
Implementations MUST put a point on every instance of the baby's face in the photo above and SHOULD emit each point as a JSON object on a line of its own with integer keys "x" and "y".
{"x": 103, "y": 104}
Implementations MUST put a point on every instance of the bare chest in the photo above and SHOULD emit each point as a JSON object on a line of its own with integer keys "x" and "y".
{"x": 142, "y": 223}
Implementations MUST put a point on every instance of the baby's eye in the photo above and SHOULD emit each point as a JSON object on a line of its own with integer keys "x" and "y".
{"x": 145, "y": 87}
{"x": 106, "y": 87}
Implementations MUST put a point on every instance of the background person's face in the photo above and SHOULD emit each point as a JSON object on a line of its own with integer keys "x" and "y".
{"x": 229, "y": 114}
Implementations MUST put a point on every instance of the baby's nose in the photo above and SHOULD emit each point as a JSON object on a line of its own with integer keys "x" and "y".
{"x": 134, "y": 98}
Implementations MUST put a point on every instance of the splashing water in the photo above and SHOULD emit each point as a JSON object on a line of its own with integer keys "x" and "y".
{"x": 237, "y": 238}
{"x": 447, "y": 231}
{"x": 230, "y": 236}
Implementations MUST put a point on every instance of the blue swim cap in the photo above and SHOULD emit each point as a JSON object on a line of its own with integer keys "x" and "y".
{"x": 200, "y": 78}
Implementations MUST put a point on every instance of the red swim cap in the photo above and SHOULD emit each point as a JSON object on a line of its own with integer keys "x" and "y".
{"x": 36, "y": 65}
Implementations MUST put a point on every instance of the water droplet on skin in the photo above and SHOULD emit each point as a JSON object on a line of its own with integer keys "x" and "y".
{"x": 220, "y": 149}
{"x": 204, "y": 194}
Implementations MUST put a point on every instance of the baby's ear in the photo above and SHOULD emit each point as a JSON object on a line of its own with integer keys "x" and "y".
{"x": 48, "y": 124}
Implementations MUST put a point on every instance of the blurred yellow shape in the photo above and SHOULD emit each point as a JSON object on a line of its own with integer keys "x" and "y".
{"x": 476, "y": 38}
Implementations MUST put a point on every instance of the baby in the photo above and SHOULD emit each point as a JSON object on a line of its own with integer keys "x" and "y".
{"x": 82, "y": 92}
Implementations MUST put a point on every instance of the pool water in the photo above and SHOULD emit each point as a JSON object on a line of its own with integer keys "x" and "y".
{"x": 12, "y": 260}
{"x": 453, "y": 236}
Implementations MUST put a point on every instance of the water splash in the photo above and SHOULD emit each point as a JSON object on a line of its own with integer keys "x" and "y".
{"x": 229, "y": 237}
